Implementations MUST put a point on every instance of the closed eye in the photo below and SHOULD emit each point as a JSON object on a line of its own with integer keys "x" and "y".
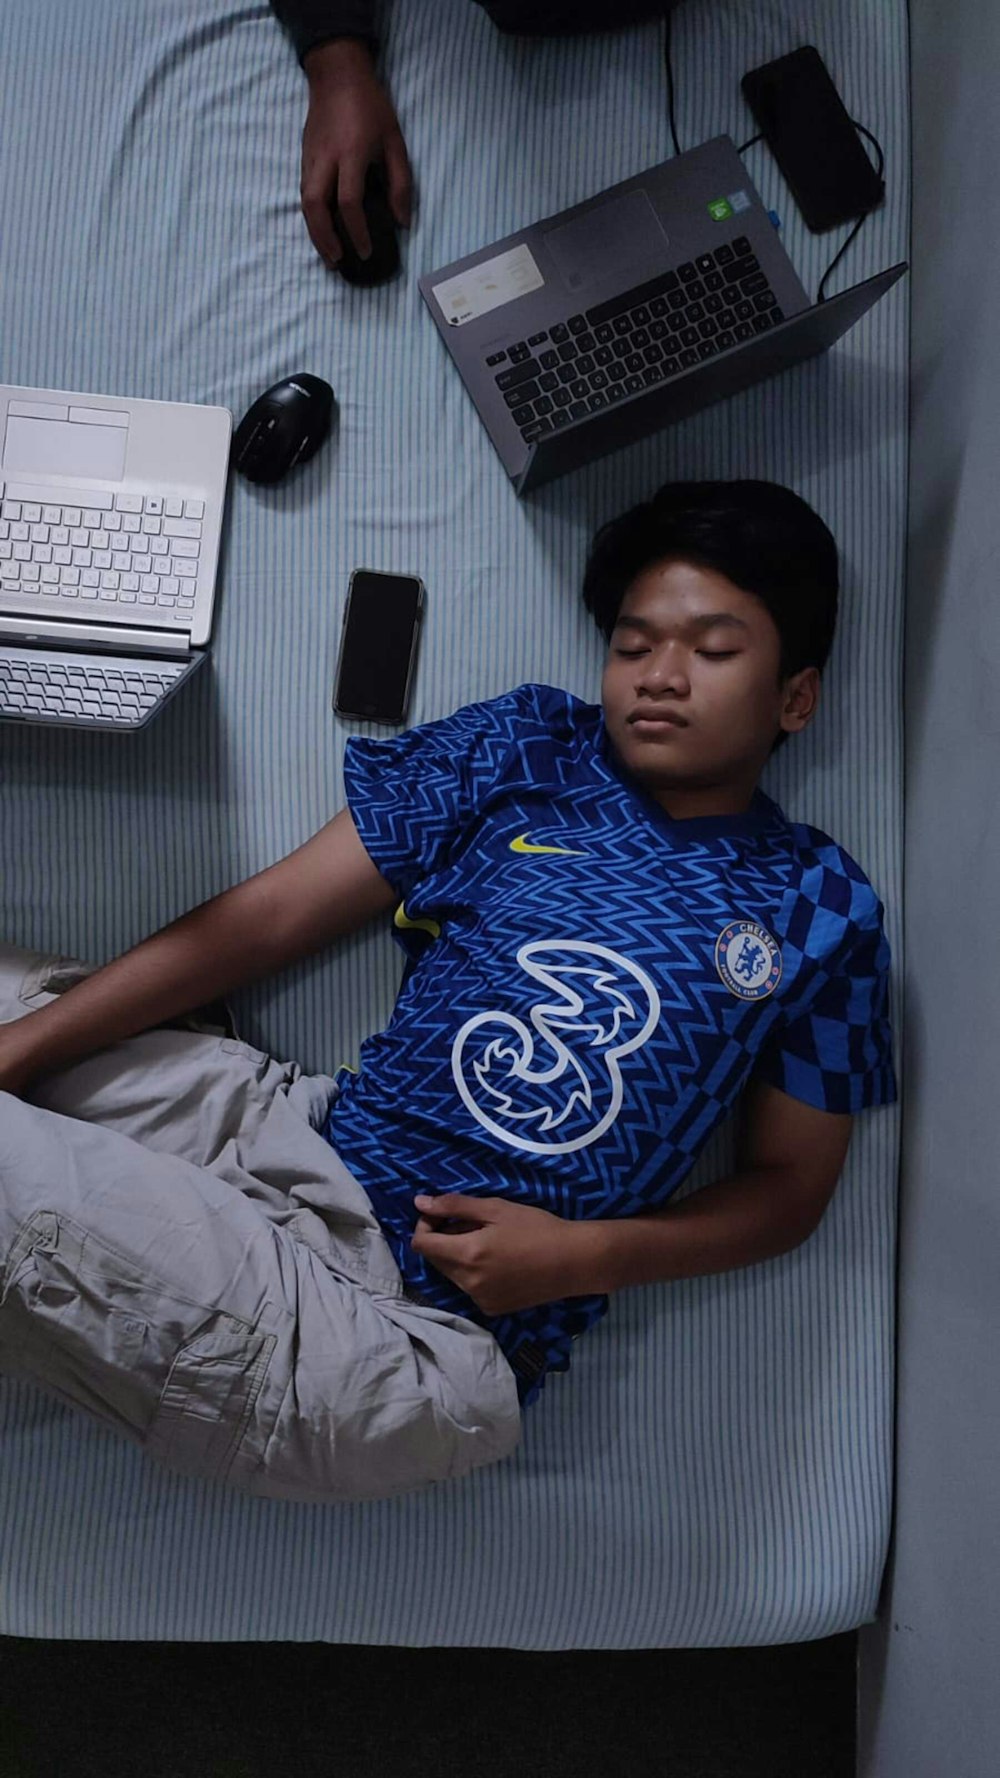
{"x": 724, "y": 654}
{"x": 631, "y": 654}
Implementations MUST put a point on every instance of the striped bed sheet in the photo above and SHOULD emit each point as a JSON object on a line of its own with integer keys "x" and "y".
{"x": 716, "y": 1468}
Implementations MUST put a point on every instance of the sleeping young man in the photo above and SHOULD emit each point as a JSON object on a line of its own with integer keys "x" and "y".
{"x": 326, "y": 1290}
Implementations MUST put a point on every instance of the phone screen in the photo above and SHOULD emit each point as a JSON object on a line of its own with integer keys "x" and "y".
{"x": 378, "y": 645}
{"x": 812, "y": 138}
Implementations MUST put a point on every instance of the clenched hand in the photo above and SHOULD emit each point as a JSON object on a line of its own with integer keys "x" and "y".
{"x": 504, "y": 1256}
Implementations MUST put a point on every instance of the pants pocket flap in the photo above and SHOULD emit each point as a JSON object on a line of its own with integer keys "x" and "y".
{"x": 209, "y": 1395}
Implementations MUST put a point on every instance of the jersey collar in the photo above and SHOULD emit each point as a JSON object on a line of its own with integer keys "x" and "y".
{"x": 752, "y": 821}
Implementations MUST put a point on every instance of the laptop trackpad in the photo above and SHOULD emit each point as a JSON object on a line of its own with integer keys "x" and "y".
{"x": 625, "y": 234}
{"x": 64, "y": 447}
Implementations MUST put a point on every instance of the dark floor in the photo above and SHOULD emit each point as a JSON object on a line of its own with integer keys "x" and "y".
{"x": 264, "y": 1710}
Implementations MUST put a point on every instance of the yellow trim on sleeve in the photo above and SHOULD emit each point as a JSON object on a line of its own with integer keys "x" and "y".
{"x": 401, "y": 920}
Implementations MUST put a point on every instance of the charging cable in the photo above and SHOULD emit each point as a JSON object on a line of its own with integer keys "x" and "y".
{"x": 672, "y": 120}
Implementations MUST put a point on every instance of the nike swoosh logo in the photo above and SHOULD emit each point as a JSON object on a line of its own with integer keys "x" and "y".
{"x": 403, "y": 923}
{"x": 523, "y": 845}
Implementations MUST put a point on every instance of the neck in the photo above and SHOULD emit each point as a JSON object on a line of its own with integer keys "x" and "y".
{"x": 686, "y": 804}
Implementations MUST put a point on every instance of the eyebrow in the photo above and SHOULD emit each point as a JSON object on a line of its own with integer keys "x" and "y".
{"x": 707, "y": 621}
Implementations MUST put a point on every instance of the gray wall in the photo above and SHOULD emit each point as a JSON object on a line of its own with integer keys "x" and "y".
{"x": 930, "y": 1669}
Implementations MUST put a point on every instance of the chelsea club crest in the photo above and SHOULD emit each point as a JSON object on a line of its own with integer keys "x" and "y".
{"x": 748, "y": 959}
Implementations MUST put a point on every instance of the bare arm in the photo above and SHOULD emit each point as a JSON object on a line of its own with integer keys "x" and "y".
{"x": 789, "y": 1159}
{"x": 325, "y": 889}
{"x": 513, "y": 1256}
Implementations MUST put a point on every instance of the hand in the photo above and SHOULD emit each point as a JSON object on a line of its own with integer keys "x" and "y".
{"x": 504, "y": 1256}
{"x": 350, "y": 123}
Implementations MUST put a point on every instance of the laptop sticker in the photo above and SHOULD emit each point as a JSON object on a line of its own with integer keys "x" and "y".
{"x": 488, "y": 286}
{"x": 721, "y": 208}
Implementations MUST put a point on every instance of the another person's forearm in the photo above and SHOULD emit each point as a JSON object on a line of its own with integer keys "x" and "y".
{"x": 737, "y": 1221}
{"x": 313, "y": 22}
{"x": 340, "y": 62}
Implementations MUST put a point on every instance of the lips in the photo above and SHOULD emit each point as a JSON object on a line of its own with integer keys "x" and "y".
{"x": 662, "y": 718}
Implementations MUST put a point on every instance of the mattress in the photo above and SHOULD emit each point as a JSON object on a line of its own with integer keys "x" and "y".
{"x": 716, "y": 1467}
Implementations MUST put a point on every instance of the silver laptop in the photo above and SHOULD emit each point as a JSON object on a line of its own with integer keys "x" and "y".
{"x": 110, "y": 521}
{"x": 620, "y": 315}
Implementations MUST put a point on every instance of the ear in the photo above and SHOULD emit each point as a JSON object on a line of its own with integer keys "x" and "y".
{"x": 801, "y": 694}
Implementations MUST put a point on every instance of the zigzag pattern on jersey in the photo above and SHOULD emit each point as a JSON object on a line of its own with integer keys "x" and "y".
{"x": 438, "y": 810}
{"x": 671, "y": 1107}
{"x": 441, "y": 773}
{"x": 679, "y": 1084}
{"x": 636, "y": 1153}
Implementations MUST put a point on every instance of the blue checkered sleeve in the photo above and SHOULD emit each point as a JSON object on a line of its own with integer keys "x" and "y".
{"x": 835, "y": 1052}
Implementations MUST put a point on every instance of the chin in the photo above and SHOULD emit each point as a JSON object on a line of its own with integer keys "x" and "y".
{"x": 644, "y": 751}
{"x": 648, "y": 763}
{"x": 655, "y": 773}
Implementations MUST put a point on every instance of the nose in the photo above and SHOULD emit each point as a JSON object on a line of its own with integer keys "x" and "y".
{"x": 663, "y": 669}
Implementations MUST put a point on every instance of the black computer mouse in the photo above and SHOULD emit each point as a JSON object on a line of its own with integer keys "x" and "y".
{"x": 284, "y": 426}
{"x": 383, "y": 263}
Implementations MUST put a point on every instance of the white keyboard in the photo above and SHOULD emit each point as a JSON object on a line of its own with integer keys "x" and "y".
{"x": 83, "y": 690}
{"x": 112, "y": 549}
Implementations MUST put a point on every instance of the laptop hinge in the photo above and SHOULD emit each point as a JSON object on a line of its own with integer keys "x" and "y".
{"x": 523, "y": 478}
{"x": 115, "y": 638}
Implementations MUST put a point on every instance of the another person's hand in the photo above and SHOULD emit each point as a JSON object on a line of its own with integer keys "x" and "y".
{"x": 504, "y": 1256}
{"x": 350, "y": 123}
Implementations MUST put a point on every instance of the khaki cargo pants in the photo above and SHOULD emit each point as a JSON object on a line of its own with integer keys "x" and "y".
{"x": 183, "y": 1256}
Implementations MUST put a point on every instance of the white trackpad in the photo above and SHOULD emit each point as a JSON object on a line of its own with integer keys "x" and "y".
{"x": 63, "y": 447}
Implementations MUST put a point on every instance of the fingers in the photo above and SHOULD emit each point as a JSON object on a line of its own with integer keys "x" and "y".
{"x": 318, "y": 196}
{"x": 400, "y": 178}
{"x": 430, "y": 1207}
{"x": 350, "y": 196}
{"x": 333, "y": 177}
{"x": 319, "y": 221}
{"x": 446, "y": 1249}
{"x": 453, "y": 1207}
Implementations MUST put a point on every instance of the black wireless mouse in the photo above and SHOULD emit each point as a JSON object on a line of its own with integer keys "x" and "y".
{"x": 383, "y": 263}
{"x": 284, "y": 426}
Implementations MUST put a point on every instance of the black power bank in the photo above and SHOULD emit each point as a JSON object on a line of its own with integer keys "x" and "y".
{"x": 808, "y": 130}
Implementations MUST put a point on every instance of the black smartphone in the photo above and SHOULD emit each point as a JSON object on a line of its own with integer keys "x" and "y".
{"x": 378, "y": 645}
{"x": 809, "y": 132}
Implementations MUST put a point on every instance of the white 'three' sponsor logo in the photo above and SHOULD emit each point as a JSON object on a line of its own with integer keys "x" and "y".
{"x": 602, "y": 1007}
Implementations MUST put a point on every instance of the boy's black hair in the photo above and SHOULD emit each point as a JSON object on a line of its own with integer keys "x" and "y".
{"x": 759, "y": 535}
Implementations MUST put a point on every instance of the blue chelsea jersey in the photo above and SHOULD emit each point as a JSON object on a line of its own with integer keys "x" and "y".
{"x": 590, "y": 983}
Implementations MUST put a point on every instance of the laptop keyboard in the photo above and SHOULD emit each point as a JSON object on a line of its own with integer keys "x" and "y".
{"x": 99, "y": 691}
{"x": 645, "y": 336}
{"x": 107, "y": 548}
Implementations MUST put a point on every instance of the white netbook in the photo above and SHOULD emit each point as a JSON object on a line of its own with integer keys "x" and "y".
{"x": 110, "y": 522}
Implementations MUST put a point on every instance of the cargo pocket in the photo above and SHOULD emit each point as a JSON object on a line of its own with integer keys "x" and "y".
{"x": 210, "y": 1393}
{"x": 72, "y": 1326}
{"x": 84, "y": 1322}
{"x": 52, "y": 974}
{"x": 234, "y": 1046}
